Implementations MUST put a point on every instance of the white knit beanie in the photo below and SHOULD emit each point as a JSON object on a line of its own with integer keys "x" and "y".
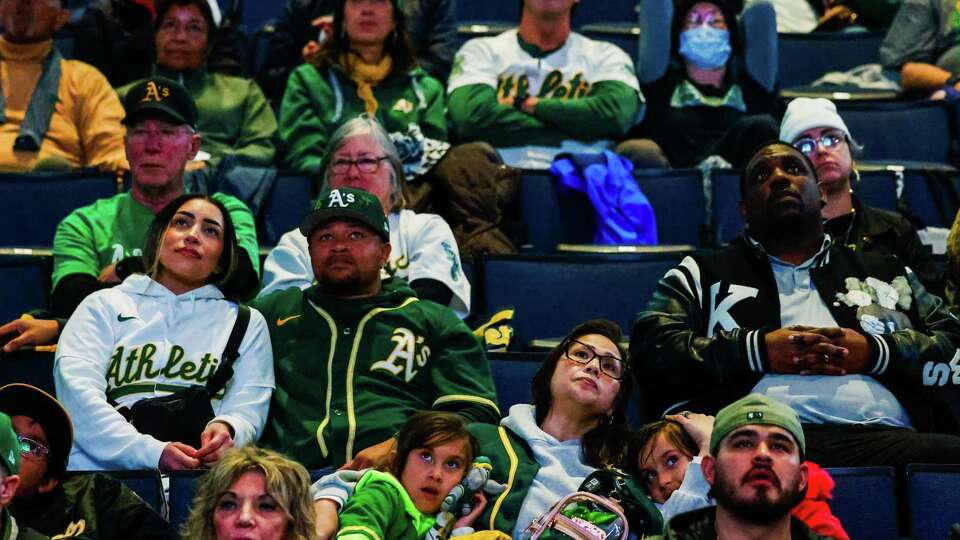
{"x": 805, "y": 113}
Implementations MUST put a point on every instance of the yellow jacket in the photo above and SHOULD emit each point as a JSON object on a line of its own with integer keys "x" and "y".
{"x": 85, "y": 129}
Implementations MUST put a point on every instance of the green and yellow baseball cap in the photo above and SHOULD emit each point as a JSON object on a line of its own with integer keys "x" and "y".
{"x": 160, "y": 96}
{"x": 9, "y": 445}
{"x": 350, "y": 203}
{"x": 756, "y": 409}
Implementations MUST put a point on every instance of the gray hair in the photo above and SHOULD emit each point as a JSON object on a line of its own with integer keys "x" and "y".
{"x": 360, "y": 126}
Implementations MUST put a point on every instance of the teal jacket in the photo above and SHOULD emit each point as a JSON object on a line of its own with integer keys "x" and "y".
{"x": 381, "y": 509}
{"x": 349, "y": 372}
{"x": 234, "y": 117}
{"x": 319, "y": 100}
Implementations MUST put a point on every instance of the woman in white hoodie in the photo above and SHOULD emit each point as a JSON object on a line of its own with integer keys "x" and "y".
{"x": 157, "y": 333}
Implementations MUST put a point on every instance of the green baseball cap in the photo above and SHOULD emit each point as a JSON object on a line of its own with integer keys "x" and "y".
{"x": 756, "y": 409}
{"x": 350, "y": 203}
{"x": 9, "y": 445}
{"x": 23, "y": 399}
{"x": 161, "y": 96}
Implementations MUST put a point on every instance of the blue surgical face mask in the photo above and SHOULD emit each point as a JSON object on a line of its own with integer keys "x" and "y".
{"x": 705, "y": 47}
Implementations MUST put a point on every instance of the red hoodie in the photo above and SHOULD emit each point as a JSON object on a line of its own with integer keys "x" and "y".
{"x": 813, "y": 510}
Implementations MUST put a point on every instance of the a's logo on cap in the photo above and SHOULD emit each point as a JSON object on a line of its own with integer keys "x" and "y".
{"x": 755, "y": 415}
{"x": 343, "y": 200}
{"x": 155, "y": 93}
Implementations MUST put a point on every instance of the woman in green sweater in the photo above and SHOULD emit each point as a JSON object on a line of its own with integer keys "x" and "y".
{"x": 366, "y": 66}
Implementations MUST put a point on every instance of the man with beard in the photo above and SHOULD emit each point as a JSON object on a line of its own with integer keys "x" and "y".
{"x": 757, "y": 474}
{"x": 850, "y": 340}
{"x": 355, "y": 355}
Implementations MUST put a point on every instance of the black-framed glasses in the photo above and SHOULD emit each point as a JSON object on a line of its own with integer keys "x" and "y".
{"x": 808, "y": 145}
{"x": 365, "y": 164}
{"x": 581, "y": 353}
{"x": 32, "y": 447}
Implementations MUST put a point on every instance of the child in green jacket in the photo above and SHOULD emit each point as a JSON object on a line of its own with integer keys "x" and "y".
{"x": 434, "y": 452}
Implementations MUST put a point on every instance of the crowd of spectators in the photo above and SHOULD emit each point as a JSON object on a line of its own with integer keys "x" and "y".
{"x": 817, "y": 338}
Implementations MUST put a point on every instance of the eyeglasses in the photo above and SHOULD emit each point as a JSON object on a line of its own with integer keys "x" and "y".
{"x": 583, "y": 354}
{"x": 364, "y": 164}
{"x": 808, "y": 145}
{"x": 33, "y": 448}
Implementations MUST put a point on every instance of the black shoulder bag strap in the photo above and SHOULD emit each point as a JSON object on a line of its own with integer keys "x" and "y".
{"x": 230, "y": 353}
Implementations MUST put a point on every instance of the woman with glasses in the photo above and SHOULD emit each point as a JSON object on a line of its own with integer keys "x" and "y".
{"x": 707, "y": 103}
{"x": 545, "y": 450}
{"x": 365, "y": 65}
{"x": 814, "y": 127}
{"x": 361, "y": 155}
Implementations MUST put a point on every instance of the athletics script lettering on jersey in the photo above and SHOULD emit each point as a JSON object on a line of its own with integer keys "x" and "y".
{"x": 409, "y": 352}
{"x": 130, "y": 365}
{"x": 554, "y": 85}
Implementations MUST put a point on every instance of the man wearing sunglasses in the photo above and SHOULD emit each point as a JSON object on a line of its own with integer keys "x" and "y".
{"x": 850, "y": 340}
{"x": 814, "y": 127}
{"x": 94, "y": 506}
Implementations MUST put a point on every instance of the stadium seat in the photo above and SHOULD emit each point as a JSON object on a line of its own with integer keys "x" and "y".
{"x": 889, "y": 132}
{"x": 613, "y": 11}
{"x": 512, "y": 375}
{"x": 678, "y": 203}
{"x": 864, "y": 501}
{"x": 289, "y": 202}
{"x": 727, "y": 221}
{"x": 934, "y": 506}
{"x": 183, "y": 486}
{"x": 622, "y": 34}
{"x": 558, "y": 292}
{"x": 552, "y": 217}
{"x": 877, "y": 188}
{"x": 146, "y": 484}
{"x": 930, "y": 197}
{"x": 505, "y": 12}
{"x": 804, "y": 58}
{"x": 29, "y": 367}
{"x": 35, "y": 203}
{"x": 29, "y": 272}
{"x": 256, "y": 14}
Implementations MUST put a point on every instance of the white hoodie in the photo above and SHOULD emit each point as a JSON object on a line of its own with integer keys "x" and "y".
{"x": 562, "y": 469}
{"x": 139, "y": 340}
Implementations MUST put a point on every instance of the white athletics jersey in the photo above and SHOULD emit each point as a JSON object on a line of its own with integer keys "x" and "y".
{"x": 139, "y": 340}
{"x": 422, "y": 247}
{"x": 567, "y": 73}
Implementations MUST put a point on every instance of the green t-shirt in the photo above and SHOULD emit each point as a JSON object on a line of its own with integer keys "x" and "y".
{"x": 109, "y": 230}
{"x": 381, "y": 508}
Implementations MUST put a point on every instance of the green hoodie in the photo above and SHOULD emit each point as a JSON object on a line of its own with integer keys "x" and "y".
{"x": 381, "y": 509}
{"x": 349, "y": 372}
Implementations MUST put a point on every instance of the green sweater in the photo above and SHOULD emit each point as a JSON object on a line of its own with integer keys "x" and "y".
{"x": 234, "y": 117}
{"x": 319, "y": 100}
{"x": 381, "y": 509}
{"x": 349, "y": 372}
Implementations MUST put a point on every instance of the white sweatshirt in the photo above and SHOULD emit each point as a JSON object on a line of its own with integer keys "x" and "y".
{"x": 139, "y": 340}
